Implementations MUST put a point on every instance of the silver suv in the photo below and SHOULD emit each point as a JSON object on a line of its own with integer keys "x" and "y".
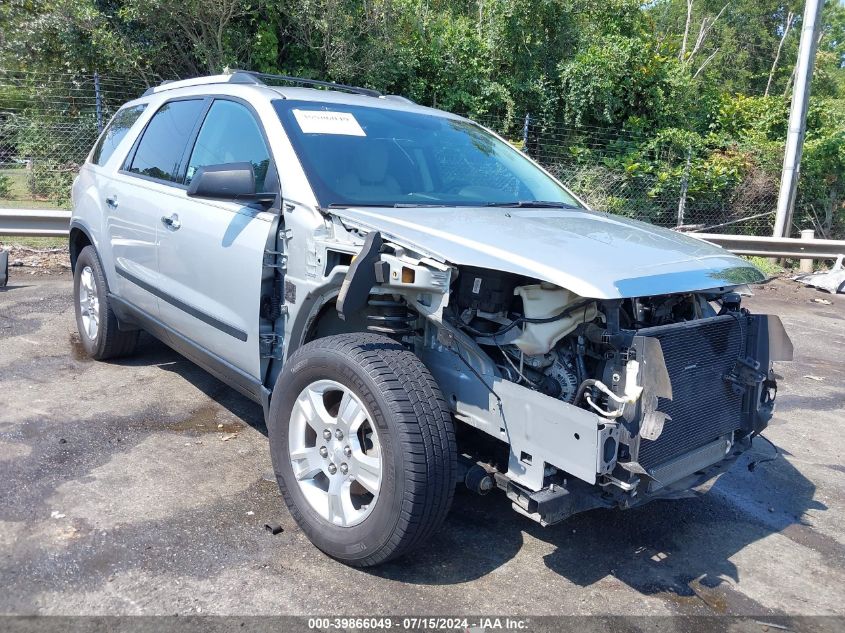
{"x": 415, "y": 304}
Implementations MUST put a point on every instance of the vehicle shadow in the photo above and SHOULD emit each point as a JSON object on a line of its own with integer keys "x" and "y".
{"x": 151, "y": 352}
{"x": 679, "y": 547}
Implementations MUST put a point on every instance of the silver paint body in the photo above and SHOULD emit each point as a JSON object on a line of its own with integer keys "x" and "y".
{"x": 592, "y": 254}
{"x": 215, "y": 263}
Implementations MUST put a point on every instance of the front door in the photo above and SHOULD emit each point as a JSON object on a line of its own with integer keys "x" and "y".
{"x": 211, "y": 252}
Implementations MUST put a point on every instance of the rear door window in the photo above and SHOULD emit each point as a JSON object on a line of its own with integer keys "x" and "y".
{"x": 160, "y": 152}
{"x": 230, "y": 134}
{"x": 115, "y": 132}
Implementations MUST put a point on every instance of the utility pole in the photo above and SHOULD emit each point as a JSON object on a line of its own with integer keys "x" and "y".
{"x": 798, "y": 116}
{"x": 98, "y": 102}
{"x": 682, "y": 200}
{"x": 525, "y": 133}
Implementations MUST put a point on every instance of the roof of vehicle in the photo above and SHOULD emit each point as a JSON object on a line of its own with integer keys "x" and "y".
{"x": 245, "y": 83}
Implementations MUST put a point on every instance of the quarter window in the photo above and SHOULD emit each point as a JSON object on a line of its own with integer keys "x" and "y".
{"x": 115, "y": 131}
{"x": 159, "y": 154}
{"x": 230, "y": 134}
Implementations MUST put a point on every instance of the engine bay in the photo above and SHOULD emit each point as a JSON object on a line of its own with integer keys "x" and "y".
{"x": 567, "y": 401}
{"x": 567, "y": 347}
{"x": 606, "y": 357}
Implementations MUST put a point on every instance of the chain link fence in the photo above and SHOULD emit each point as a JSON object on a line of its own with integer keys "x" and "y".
{"x": 48, "y": 123}
{"x": 664, "y": 181}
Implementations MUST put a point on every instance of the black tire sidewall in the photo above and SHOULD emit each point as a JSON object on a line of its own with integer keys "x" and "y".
{"x": 374, "y": 532}
{"x": 88, "y": 257}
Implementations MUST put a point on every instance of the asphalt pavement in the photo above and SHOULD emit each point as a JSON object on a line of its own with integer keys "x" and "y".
{"x": 141, "y": 487}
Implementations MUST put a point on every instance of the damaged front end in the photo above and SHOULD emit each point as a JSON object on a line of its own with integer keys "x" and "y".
{"x": 569, "y": 402}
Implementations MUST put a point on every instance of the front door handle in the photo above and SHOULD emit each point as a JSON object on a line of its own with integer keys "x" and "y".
{"x": 171, "y": 222}
{"x": 111, "y": 202}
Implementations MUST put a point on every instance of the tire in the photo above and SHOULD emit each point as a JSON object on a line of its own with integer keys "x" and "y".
{"x": 410, "y": 423}
{"x": 104, "y": 339}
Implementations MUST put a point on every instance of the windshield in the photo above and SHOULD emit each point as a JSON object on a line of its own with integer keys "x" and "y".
{"x": 363, "y": 156}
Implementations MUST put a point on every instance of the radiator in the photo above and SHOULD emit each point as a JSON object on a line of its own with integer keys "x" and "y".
{"x": 703, "y": 408}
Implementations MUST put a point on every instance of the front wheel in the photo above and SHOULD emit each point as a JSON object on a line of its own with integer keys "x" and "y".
{"x": 363, "y": 447}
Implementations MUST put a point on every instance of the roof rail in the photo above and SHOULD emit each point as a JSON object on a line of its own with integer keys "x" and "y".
{"x": 259, "y": 77}
{"x": 235, "y": 77}
{"x": 399, "y": 98}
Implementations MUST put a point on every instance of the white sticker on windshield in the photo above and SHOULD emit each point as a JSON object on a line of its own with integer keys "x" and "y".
{"x": 324, "y": 122}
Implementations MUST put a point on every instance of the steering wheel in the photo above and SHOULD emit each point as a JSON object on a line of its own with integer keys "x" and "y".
{"x": 455, "y": 188}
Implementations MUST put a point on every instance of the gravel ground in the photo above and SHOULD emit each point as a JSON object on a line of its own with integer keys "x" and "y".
{"x": 140, "y": 487}
{"x": 36, "y": 256}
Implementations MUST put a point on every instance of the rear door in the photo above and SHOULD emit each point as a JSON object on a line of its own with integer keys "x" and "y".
{"x": 142, "y": 192}
{"x": 211, "y": 254}
{"x": 121, "y": 239}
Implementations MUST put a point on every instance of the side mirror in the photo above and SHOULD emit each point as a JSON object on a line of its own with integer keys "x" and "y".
{"x": 230, "y": 181}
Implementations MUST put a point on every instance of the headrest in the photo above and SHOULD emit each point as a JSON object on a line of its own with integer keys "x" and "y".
{"x": 371, "y": 166}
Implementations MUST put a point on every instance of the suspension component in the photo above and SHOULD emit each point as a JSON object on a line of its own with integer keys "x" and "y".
{"x": 389, "y": 316}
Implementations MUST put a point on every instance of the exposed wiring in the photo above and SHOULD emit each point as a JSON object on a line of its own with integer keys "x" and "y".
{"x": 457, "y": 353}
{"x": 561, "y": 315}
{"x": 580, "y": 366}
{"x": 739, "y": 318}
{"x": 519, "y": 369}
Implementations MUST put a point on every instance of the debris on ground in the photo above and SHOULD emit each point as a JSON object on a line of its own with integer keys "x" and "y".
{"x": 767, "y": 625}
{"x": 816, "y": 378}
{"x": 273, "y": 528}
{"x": 231, "y": 436}
{"x": 37, "y": 260}
{"x": 824, "y": 302}
{"x": 832, "y": 281}
{"x": 55, "y": 514}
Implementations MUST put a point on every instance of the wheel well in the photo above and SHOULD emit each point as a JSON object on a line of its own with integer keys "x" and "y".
{"x": 78, "y": 241}
{"x": 328, "y": 322}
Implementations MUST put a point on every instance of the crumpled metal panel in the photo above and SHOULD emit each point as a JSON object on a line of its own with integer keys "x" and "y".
{"x": 832, "y": 281}
{"x": 596, "y": 255}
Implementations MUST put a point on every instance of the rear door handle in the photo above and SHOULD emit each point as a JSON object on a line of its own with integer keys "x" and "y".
{"x": 171, "y": 222}
{"x": 112, "y": 202}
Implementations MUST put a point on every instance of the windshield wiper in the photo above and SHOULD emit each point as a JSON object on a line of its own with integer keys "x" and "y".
{"x": 344, "y": 205}
{"x": 517, "y": 204}
{"x": 387, "y": 205}
{"x": 532, "y": 204}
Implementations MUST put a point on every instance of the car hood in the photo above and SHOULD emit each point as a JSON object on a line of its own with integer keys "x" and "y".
{"x": 592, "y": 254}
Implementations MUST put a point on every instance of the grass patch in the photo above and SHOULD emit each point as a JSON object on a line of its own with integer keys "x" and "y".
{"x": 38, "y": 243}
{"x": 29, "y": 204}
{"x": 769, "y": 267}
{"x": 18, "y": 181}
{"x": 19, "y": 195}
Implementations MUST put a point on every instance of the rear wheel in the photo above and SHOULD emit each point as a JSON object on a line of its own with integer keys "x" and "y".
{"x": 95, "y": 320}
{"x": 363, "y": 447}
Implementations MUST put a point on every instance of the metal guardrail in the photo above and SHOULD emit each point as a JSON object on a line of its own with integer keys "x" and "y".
{"x": 34, "y": 222}
{"x": 54, "y": 223}
{"x": 775, "y": 246}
